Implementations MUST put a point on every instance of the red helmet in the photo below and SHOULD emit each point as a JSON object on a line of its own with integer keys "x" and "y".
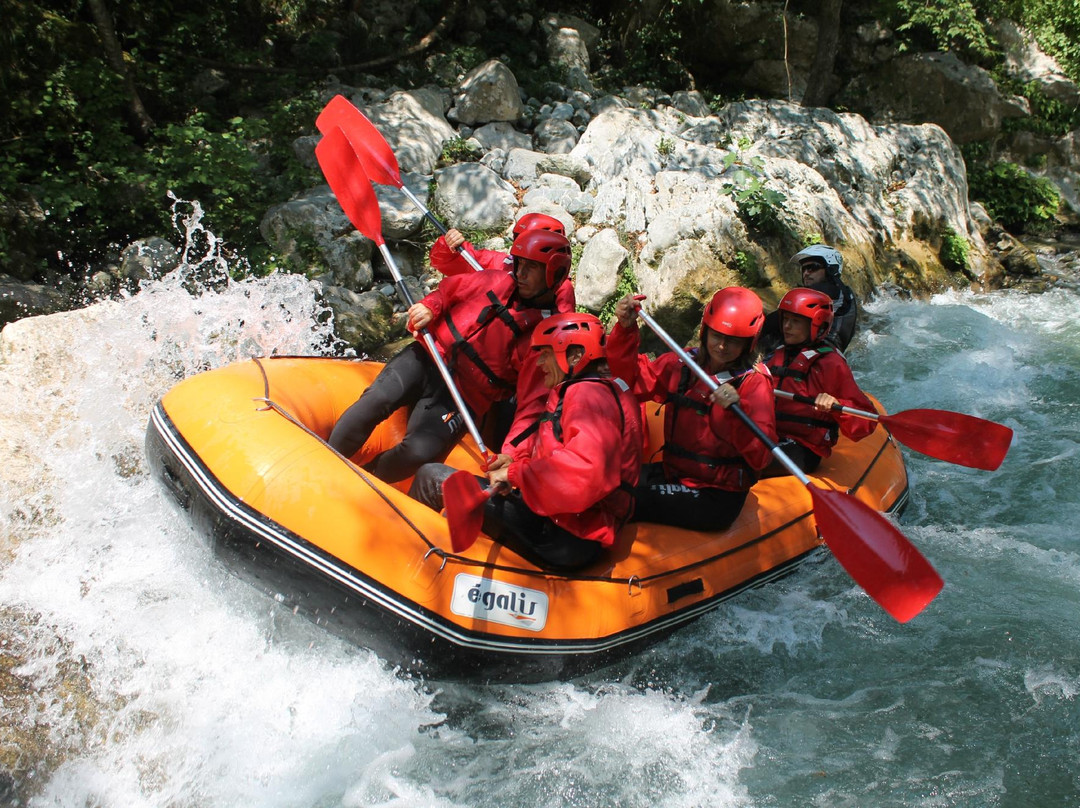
{"x": 549, "y": 248}
{"x": 539, "y": 221}
{"x": 736, "y": 312}
{"x": 815, "y": 306}
{"x": 562, "y": 331}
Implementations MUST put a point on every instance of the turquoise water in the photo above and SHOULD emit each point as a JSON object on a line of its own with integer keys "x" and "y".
{"x": 203, "y": 692}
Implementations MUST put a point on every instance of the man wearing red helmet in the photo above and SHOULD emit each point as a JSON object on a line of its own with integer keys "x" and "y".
{"x": 565, "y": 489}
{"x": 710, "y": 457}
{"x": 446, "y": 256}
{"x": 482, "y": 323}
{"x": 808, "y": 365}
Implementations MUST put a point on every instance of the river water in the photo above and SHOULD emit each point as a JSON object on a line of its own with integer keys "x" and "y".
{"x": 137, "y": 671}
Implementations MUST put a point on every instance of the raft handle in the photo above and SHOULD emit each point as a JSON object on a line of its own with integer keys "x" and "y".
{"x": 633, "y": 581}
{"x": 440, "y": 552}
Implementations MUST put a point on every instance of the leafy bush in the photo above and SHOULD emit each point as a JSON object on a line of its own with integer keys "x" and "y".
{"x": 954, "y": 251}
{"x": 758, "y": 205}
{"x": 1019, "y": 201}
{"x": 458, "y": 150}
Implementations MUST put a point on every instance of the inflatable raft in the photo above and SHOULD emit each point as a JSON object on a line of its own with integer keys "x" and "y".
{"x": 242, "y": 449}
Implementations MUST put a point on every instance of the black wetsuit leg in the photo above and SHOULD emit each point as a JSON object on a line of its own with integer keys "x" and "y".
{"x": 664, "y": 503}
{"x": 508, "y": 520}
{"x": 802, "y": 457}
{"x": 409, "y": 379}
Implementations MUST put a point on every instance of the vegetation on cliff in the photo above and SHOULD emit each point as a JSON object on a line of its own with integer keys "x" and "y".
{"x": 113, "y": 106}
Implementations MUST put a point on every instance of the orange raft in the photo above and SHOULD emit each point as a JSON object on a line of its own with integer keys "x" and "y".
{"x": 243, "y": 450}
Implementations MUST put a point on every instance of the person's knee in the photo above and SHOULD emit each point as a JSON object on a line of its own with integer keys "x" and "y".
{"x": 428, "y": 482}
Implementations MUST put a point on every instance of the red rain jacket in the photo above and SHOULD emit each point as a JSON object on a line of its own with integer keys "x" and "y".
{"x": 580, "y": 466}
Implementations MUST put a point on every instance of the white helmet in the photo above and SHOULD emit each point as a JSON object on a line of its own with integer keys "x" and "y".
{"x": 833, "y": 260}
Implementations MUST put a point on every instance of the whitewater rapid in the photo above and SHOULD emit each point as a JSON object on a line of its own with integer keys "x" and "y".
{"x": 139, "y": 672}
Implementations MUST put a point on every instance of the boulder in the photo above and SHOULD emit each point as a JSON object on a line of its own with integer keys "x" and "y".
{"x": 471, "y": 196}
{"x": 933, "y": 87}
{"x": 489, "y": 92}
{"x": 414, "y": 125}
{"x": 598, "y": 269}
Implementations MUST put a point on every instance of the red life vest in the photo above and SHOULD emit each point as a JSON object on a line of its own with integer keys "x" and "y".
{"x": 483, "y": 332}
{"x": 693, "y": 453}
{"x": 804, "y": 423}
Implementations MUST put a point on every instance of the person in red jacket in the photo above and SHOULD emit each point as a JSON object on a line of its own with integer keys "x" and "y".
{"x": 563, "y": 494}
{"x": 710, "y": 457}
{"x": 482, "y": 323}
{"x": 808, "y": 365}
{"x": 445, "y": 255}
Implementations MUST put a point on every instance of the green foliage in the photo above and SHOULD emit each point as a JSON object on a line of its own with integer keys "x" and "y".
{"x": 758, "y": 205}
{"x": 954, "y": 251}
{"x": 1049, "y": 117}
{"x": 810, "y": 239}
{"x": 626, "y": 285}
{"x": 458, "y": 150}
{"x": 956, "y": 25}
{"x": 1013, "y": 197}
{"x": 70, "y": 144}
{"x": 746, "y": 263}
{"x": 665, "y": 146}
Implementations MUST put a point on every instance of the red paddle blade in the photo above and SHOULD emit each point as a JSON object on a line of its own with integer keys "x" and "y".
{"x": 370, "y": 146}
{"x": 952, "y": 436}
{"x": 350, "y": 184}
{"x": 877, "y": 555}
{"x": 464, "y": 501}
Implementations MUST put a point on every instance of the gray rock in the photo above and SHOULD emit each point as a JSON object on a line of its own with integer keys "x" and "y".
{"x": 148, "y": 259}
{"x": 19, "y": 299}
{"x": 598, "y": 269}
{"x": 936, "y": 87}
{"x": 488, "y": 93}
{"x": 555, "y": 136}
{"x": 501, "y": 135}
{"x": 472, "y": 197}
{"x": 690, "y": 103}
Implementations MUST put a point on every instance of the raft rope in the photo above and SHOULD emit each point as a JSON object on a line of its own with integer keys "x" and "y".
{"x": 434, "y": 549}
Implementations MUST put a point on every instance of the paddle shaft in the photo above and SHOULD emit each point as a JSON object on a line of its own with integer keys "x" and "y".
{"x": 378, "y": 160}
{"x": 433, "y": 349}
{"x": 688, "y": 360}
{"x": 870, "y": 416}
{"x": 351, "y": 185}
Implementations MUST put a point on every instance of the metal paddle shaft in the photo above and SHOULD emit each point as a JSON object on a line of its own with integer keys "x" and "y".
{"x": 375, "y": 155}
{"x": 353, "y": 190}
{"x": 868, "y": 546}
{"x": 951, "y": 436}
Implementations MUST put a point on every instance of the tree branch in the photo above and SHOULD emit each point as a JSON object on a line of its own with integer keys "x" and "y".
{"x": 140, "y": 118}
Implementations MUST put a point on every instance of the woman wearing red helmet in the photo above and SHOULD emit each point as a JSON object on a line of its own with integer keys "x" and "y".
{"x": 565, "y": 488}
{"x": 808, "y": 365}
{"x": 482, "y": 323}
{"x": 710, "y": 457}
